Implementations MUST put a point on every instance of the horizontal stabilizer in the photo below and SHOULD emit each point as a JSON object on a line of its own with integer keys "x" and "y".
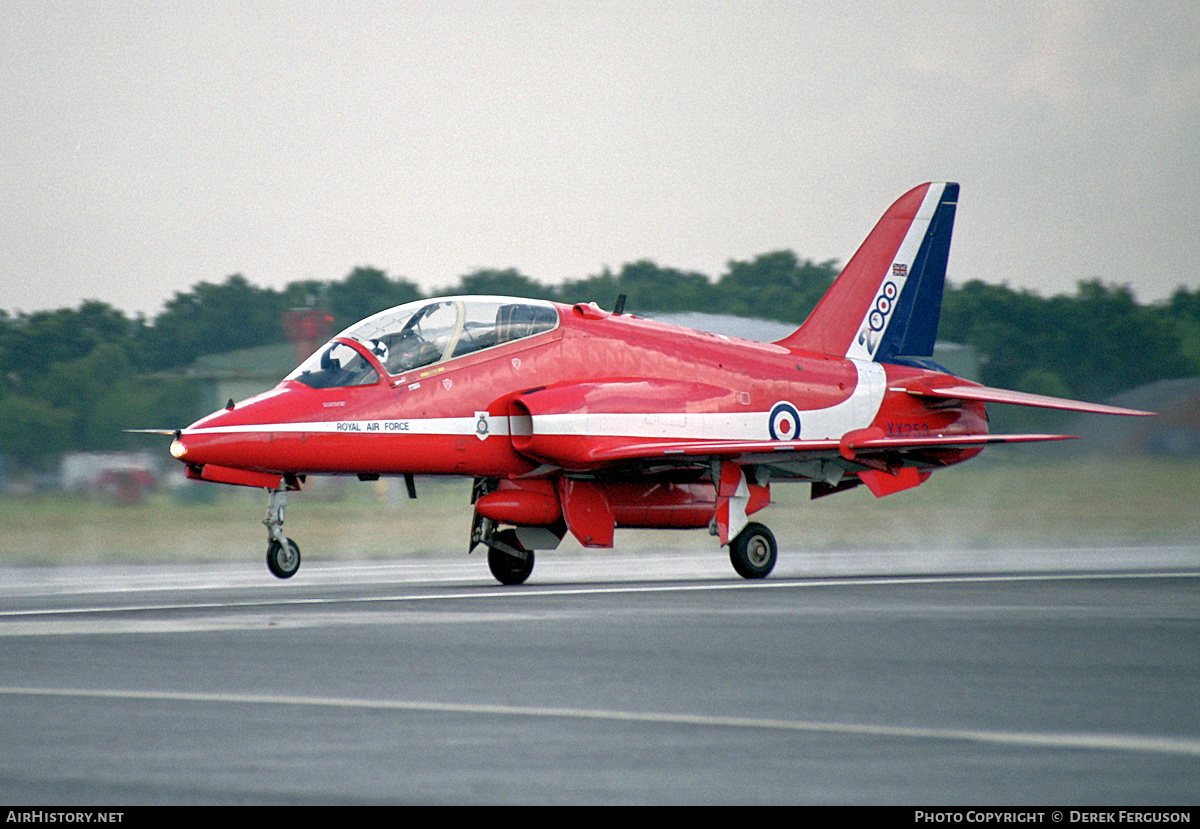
{"x": 987, "y": 394}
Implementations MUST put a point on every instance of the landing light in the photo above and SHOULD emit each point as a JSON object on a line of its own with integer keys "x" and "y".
{"x": 178, "y": 450}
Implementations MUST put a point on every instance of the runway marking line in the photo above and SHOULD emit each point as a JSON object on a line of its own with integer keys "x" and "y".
{"x": 487, "y": 592}
{"x": 1093, "y": 742}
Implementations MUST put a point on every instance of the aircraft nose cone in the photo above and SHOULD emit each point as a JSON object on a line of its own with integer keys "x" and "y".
{"x": 240, "y": 436}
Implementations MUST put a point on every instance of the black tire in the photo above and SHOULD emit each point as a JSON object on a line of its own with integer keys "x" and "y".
{"x": 283, "y": 563}
{"x": 753, "y": 551}
{"x": 507, "y": 568}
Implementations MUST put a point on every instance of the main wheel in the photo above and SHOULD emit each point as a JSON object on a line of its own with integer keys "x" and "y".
{"x": 507, "y": 568}
{"x": 753, "y": 551}
{"x": 283, "y": 561}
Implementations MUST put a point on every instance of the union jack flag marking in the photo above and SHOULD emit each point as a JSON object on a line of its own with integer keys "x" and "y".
{"x": 899, "y": 270}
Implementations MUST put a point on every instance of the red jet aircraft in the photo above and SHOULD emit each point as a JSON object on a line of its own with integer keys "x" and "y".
{"x": 574, "y": 419}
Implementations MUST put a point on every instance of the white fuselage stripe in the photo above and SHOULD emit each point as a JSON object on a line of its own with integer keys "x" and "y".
{"x": 392, "y": 426}
{"x": 830, "y": 423}
{"x": 855, "y": 412}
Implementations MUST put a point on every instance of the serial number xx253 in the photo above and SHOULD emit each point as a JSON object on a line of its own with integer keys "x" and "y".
{"x": 906, "y": 430}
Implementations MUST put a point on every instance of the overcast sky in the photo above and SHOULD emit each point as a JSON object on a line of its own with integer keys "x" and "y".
{"x": 146, "y": 147}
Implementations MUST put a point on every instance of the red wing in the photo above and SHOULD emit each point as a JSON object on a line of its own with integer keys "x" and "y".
{"x": 854, "y": 443}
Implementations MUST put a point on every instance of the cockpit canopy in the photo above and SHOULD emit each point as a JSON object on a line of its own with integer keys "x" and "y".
{"x": 422, "y": 333}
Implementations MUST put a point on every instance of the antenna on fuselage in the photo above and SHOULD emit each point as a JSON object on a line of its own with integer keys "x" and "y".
{"x": 620, "y": 308}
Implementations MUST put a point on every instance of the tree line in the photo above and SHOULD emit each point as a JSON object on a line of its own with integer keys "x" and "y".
{"x": 74, "y": 378}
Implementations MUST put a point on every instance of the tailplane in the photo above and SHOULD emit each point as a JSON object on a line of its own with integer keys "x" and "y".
{"x": 885, "y": 304}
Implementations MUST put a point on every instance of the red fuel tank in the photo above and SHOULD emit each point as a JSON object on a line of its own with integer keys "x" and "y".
{"x": 520, "y": 506}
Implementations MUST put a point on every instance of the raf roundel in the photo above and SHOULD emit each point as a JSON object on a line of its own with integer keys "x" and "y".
{"x": 784, "y": 422}
{"x": 883, "y": 306}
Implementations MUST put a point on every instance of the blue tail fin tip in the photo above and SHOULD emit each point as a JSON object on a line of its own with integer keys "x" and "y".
{"x": 913, "y": 328}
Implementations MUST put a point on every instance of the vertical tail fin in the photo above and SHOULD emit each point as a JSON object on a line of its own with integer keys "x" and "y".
{"x": 887, "y": 300}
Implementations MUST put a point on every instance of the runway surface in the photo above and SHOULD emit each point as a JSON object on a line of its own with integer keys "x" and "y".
{"x": 1044, "y": 678}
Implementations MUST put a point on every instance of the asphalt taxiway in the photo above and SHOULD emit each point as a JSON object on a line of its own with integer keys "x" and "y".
{"x": 1049, "y": 678}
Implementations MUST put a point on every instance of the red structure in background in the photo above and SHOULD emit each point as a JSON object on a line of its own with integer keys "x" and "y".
{"x": 308, "y": 329}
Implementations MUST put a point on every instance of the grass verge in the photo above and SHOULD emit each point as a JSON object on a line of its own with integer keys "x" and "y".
{"x": 994, "y": 501}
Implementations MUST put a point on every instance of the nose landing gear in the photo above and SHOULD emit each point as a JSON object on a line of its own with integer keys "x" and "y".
{"x": 283, "y": 554}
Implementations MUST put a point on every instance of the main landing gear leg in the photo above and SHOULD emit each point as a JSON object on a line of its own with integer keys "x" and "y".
{"x": 508, "y": 560}
{"x": 283, "y": 554}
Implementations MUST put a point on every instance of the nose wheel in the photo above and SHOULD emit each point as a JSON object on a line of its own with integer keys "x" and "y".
{"x": 283, "y": 560}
